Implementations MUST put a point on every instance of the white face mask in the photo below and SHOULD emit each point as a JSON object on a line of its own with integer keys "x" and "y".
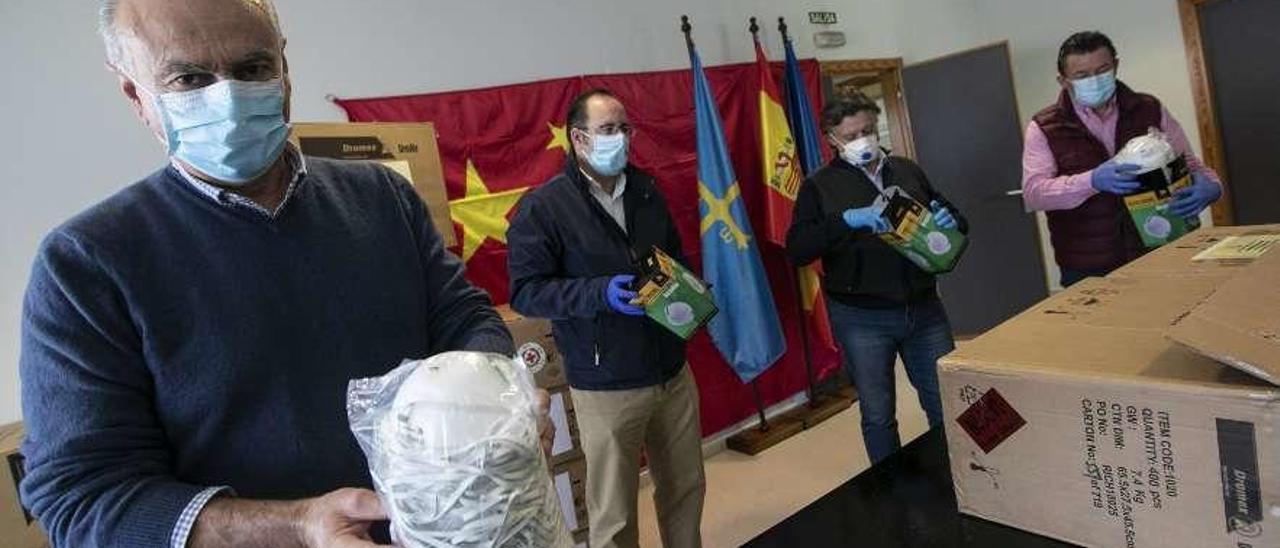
{"x": 861, "y": 151}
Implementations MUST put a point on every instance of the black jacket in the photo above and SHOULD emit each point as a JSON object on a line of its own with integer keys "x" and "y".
{"x": 562, "y": 248}
{"x": 859, "y": 268}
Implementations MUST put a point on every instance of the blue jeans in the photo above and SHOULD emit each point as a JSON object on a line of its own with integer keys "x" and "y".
{"x": 871, "y": 339}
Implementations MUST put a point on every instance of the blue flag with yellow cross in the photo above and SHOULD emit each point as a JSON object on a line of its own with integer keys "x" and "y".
{"x": 746, "y": 331}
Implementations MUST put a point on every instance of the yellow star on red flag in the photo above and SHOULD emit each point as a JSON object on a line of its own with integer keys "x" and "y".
{"x": 482, "y": 213}
{"x": 559, "y": 138}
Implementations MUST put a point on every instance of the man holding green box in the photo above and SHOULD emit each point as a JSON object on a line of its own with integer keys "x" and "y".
{"x": 861, "y": 215}
{"x": 1069, "y": 172}
{"x": 573, "y": 248}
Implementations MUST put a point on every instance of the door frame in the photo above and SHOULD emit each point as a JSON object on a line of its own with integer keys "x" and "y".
{"x": 890, "y": 71}
{"x": 1211, "y": 151}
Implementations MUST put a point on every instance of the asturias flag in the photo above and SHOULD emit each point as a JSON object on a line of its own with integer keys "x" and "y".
{"x": 747, "y": 331}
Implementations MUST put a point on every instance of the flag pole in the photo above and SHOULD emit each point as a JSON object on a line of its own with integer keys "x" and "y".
{"x": 755, "y": 389}
{"x": 812, "y": 389}
{"x": 687, "y": 29}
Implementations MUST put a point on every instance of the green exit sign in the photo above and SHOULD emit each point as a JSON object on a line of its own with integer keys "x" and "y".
{"x": 822, "y": 17}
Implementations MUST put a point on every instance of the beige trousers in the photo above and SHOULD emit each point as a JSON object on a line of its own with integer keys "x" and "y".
{"x": 615, "y": 426}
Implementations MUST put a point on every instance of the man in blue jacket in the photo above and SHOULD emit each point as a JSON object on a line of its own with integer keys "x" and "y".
{"x": 572, "y": 251}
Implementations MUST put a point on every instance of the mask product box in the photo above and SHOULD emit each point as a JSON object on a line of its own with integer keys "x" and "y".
{"x": 409, "y": 149}
{"x": 1082, "y": 420}
{"x": 672, "y": 296}
{"x": 18, "y": 529}
{"x": 535, "y": 347}
{"x": 916, "y": 235}
{"x": 1149, "y": 207}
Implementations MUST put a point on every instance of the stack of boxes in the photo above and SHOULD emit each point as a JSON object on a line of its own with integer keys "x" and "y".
{"x": 18, "y": 529}
{"x": 537, "y": 349}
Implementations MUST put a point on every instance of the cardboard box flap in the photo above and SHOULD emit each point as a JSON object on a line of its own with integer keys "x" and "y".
{"x": 1102, "y": 353}
{"x": 1107, "y": 328}
{"x": 1239, "y": 325}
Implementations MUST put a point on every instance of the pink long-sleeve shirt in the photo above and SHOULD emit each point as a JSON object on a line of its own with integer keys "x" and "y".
{"x": 1044, "y": 189}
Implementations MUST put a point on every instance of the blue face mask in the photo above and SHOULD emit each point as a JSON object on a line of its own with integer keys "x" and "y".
{"x": 232, "y": 131}
{"x": 1095, "y": 90}
{"x": 608, "y": 154}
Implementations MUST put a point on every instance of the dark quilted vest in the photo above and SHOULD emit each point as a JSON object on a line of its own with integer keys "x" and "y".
{"x": 1099, "y": 234}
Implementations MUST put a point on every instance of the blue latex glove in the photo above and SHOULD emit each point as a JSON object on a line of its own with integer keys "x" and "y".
{"x": 868, "y": 218}
{"x": 943, "y": 216}
{"x": 1114, "y": 178}
{"x": 1190, "y": 201}
{"x": 619, "y": 297}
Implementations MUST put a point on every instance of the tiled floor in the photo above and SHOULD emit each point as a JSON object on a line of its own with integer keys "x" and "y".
{"x": 747, "y": 495}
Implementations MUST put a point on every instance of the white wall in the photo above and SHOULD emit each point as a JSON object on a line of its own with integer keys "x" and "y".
{"x": 1147, "y": 35}
{"x": 71, "y": 140}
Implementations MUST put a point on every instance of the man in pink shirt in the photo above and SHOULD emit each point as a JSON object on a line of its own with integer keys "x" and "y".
{"x": 1067, "y": 166}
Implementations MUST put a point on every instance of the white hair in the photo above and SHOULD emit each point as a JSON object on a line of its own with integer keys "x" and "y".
{"x": 111, "y": 39}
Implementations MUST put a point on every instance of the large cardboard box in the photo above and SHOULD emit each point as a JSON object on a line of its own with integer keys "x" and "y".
{"x": 409, "y": 149}
{"x": 536, "y": 347}
{"x": 17, "y": 528}
{"x": 1239, "y": 325}
{"x": 1079, "y": 420}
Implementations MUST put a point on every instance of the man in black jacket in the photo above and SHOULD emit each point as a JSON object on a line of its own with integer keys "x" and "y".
{"x": 573, "y": 247}
{"x": 881, "y": 305}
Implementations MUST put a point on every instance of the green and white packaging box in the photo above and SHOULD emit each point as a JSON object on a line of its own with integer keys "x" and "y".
{"x": 1149, "y": 208}
{"x": 673, "y": 296}
{"x": 917, "y": 236}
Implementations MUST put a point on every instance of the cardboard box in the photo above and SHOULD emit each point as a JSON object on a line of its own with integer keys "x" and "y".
{"x": 567, "y": 445}
{"x": 1150, "y": 207}
{"x": 409, "y": 149}
{"x": 570, "y": 480}
{"x": 536, "y": 347}
{"x": 672, "y": 295}
{"x": 18, "y": 529}
{"x": 917, "y": 236}
{"x": 1079, "y": 420}
{"x": 1176, "y": 259}
{"x": 1239, "y": 325}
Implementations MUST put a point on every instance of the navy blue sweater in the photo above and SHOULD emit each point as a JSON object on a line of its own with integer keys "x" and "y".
{"x": 172, "y": 343}
{"x": 562, "y": 248}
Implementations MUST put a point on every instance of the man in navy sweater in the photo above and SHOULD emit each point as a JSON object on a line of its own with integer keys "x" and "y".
{"x": 187, "y": 343}
{"x": 573, "y": 245}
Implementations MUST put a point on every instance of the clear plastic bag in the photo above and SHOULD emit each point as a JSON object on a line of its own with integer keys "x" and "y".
{"x": 454, "y": 450}
{"x": 1149, "y": 152}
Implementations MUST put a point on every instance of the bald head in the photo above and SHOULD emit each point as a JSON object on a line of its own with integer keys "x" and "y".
{"x": 135, "y": 32}
{"x": 166, "y": 46}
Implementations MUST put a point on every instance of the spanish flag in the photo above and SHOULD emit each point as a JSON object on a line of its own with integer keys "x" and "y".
{"x": 783, "y": 173}
{"x": 782, "y": 169}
